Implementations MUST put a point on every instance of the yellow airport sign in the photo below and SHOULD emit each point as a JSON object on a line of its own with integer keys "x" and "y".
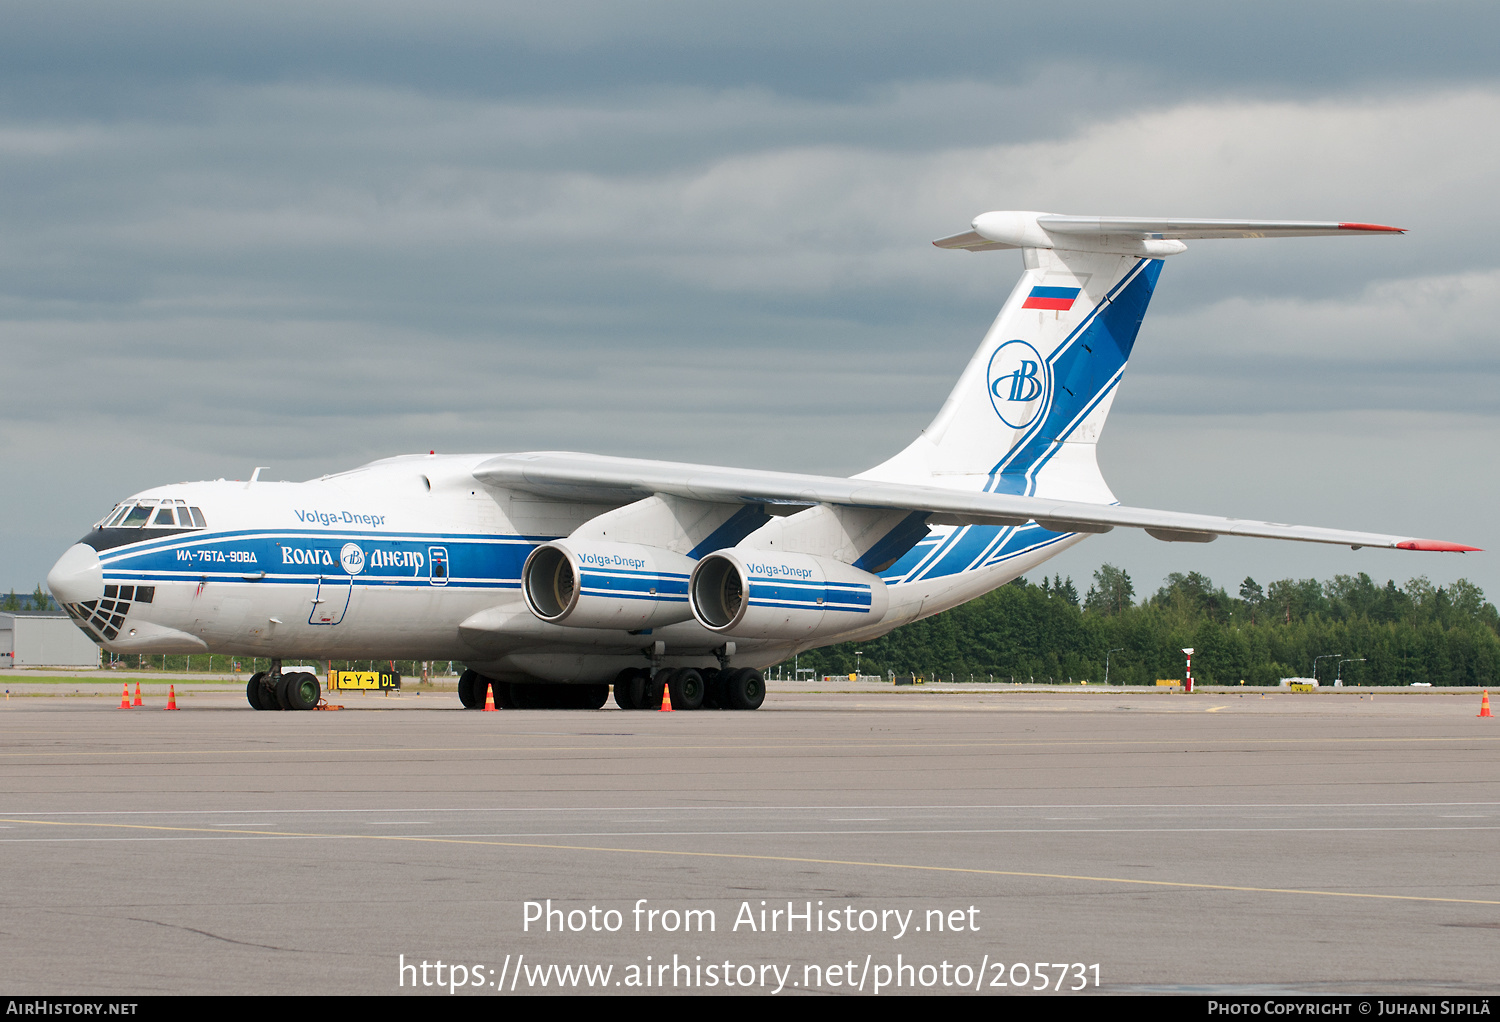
{"x": 375, "y": 681}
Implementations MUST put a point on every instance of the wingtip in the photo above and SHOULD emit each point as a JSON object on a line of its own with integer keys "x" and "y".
{"x": 1438, "y": 545}
{"x": 1372, "y": 227}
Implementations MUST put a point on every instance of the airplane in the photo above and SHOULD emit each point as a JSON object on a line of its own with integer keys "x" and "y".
{"x": 555, "y": 576}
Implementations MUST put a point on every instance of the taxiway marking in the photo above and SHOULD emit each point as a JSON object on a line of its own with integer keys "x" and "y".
{"x": 745, "y": 856}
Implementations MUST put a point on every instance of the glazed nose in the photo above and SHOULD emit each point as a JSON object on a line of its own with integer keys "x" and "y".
{"x": 77, "y": 577}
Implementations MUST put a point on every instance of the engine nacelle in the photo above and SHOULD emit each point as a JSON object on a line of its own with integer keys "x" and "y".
{"x": 606, "y": 585}
{"x": 760, "y": 594}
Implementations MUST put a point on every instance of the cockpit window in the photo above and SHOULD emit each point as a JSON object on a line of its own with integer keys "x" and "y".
{"x": 135, "y": 515}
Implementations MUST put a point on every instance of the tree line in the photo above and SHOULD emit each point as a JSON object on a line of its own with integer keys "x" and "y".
{"x": 38, "y": 600}
{"x": 223, "y": 663}
{"x": 1349, "y": 627}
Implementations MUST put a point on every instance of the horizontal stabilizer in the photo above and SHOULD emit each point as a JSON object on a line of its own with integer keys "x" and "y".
{"x": 596, "y": 478}
{"x": 1147, "y": 236}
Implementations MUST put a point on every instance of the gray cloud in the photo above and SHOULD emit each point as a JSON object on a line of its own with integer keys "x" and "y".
{"x": 108, "y": 57}
{"x": 312, "y": 236}
{"x": 1419, "y": 473}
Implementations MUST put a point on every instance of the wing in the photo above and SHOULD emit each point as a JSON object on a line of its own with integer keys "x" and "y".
{"x": 594, "y": 478}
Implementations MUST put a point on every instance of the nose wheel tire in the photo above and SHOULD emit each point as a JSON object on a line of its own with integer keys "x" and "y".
{"x": 256, "y": 691}
{"x": 299, "y": 691}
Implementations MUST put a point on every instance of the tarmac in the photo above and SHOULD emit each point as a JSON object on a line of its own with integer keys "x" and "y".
{"x": 932, "y": 839}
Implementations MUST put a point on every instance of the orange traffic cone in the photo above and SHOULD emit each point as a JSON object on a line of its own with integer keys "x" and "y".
{"x": 125, "y": 696}
{"x": 137, "y": 695}
{"x": 666, "y": 698}
{"x": 489, "y": 698}
{"x": 171, "y": 697}
{"x": 1484, "y": 705}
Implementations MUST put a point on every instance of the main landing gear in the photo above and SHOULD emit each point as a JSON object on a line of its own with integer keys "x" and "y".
{"x": 691, "y": 688}
{"x": 635, "y": 689}
{"x": 272, "y": 690}
{"x": 539, "y": 696}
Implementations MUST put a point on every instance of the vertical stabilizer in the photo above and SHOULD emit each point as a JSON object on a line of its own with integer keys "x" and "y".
{"x": 1026, "y": 414}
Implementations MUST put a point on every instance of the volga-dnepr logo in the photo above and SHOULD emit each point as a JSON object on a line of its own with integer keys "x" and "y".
{"x": 1018, "y": 382}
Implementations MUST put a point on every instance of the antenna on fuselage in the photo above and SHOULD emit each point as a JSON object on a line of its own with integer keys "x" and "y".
{"x": 254, "y": 476}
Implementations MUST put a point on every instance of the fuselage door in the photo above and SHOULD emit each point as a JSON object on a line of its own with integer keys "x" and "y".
{"x": 331, "y": 600}
{"x": 437, "y": 565}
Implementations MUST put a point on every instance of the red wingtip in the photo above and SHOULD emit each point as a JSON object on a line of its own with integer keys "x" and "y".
{"x": 1438, "y": 545}
{"x": 1372, "y": 227}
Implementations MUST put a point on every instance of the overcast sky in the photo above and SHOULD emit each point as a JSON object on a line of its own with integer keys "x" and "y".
{"x": 308, "y": 235}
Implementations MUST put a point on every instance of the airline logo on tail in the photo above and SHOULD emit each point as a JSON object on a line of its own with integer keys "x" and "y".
{"x": 1018, "y": 382}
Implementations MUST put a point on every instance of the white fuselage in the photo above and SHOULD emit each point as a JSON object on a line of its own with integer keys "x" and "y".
{"x": 412, "y": 558}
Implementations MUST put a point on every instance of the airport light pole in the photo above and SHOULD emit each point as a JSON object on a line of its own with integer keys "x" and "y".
{"x": 1117, "y": 649}
{"x": 1325, "y": 656}
{"x": 1338, "y": 680}
{"x": 857, "y": 654}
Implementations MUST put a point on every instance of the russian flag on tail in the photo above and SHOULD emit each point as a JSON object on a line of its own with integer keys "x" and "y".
{"x": 1057, "y": 299}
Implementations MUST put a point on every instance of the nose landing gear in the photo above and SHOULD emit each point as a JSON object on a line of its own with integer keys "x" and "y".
{"x": 272, "y": 690}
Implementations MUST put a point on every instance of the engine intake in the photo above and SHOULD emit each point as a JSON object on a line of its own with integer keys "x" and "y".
{"x": 759, "y": 594}
{"x": 606, "y": 585}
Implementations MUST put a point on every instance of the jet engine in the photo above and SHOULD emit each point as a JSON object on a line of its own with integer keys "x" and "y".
{"x": 764, "y": 594}
{"x": 606, "y": 585}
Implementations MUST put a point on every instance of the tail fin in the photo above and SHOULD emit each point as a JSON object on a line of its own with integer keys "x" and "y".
{"x": 1026, "y": 414}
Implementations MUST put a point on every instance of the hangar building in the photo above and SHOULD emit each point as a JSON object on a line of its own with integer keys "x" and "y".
{"x": 44, "y": 639}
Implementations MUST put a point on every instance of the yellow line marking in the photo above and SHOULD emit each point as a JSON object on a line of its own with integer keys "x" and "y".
{"x": 743, "y": 856}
